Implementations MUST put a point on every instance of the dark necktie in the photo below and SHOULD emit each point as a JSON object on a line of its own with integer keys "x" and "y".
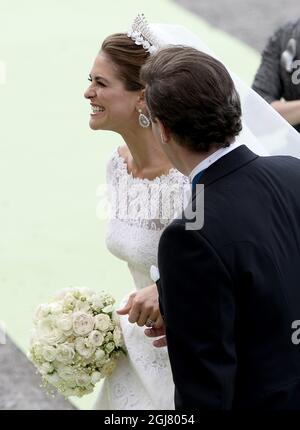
{"x": 196, "y": 180}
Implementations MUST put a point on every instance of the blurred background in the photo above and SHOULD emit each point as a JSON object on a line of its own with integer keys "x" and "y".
{"x": 51, "y": 163}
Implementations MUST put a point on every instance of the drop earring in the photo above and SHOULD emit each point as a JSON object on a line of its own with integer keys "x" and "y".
{"x": 143, "y": 119}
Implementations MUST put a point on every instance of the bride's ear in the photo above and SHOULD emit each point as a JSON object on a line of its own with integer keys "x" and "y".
{"x": 141, "y": 104}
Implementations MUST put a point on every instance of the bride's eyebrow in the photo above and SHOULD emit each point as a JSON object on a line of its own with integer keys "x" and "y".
{"x": 99, "y": 78}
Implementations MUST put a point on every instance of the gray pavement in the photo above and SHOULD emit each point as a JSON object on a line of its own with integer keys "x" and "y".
{"x": 251, "y": 21}
{"x": 20, "y": 386}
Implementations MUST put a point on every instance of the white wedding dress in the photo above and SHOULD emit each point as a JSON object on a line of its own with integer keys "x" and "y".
{"x": 143, "y": 378}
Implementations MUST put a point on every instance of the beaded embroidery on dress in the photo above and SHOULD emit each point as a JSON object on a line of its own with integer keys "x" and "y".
{"x": 142, "y": 379}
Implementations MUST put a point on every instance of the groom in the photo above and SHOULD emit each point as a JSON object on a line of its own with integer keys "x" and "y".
{"x": 230, "y": 287}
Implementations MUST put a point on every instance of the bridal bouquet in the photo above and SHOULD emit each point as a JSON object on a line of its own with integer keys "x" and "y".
{"x": 76, "y": 340}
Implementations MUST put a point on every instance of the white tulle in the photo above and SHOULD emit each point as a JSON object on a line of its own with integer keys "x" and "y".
{"x": 142, "y": 379}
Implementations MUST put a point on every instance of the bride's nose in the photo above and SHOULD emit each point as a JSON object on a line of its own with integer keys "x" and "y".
{"x": 89, "y": 93}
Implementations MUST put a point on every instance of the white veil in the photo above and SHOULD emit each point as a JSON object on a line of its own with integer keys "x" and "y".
{"x": 265, "y": 132}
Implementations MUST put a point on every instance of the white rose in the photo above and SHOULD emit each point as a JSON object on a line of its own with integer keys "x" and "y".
{"x": 56, "y": 308}
{"x": 67, "y": 373}
{"x": 55, "y": 337}
{"x": 96, "y": 338}
{"x": 53, "y": 379}
{"x": 82, "y": 306}
{"x": 85, "y": 292}
{"x": 46, "y": 368}
{"x": 82, "y": 293}
{"x": 84, "y": 348}
{"x": 102, "y": 322}
{"x": 42, "y": 311}
{"x": 108, "y": 368}
{"x": 83, "y": 323}
{"x": 65, "y": 323}
{"x": 82, "y": 379}
{"x": 65, "y": 353}
{"x": 108, "y": 309}
{"x": 86, "y": 362}
{"x": 49, "y": 353}
{"x": 48, "y": 332}
{"x": 109, "y": 347}
{"x": 118, "y": 338}
{"x": 97, "y": 303}
{"x": 69, "y": 302}
{"x": 60, "y": 295}
{"x": 96, "y": 376}
{"x": 99, "y": 355}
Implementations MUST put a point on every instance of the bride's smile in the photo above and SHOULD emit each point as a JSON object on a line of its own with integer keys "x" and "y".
{"x": 97, "y": 110}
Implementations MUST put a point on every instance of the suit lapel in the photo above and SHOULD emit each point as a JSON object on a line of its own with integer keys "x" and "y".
{"x": 158, "y": 284}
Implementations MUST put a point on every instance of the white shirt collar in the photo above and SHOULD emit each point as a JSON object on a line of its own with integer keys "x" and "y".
{"x": 204, "y": 164}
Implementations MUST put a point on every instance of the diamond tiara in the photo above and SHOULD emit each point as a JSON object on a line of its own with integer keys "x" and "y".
{"x": 141, "y": 34}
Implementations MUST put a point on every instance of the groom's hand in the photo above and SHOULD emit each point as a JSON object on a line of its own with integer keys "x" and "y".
{"x": 143, "y": 307}
{"x": 156, "y": 332}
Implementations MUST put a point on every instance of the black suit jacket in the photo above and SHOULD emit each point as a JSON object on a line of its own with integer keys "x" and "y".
{"x": 230, "y": 291}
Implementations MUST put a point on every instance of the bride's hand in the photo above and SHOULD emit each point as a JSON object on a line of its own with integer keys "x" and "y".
{"x": 154, "y": 332}
{"x": 143, "y": 307}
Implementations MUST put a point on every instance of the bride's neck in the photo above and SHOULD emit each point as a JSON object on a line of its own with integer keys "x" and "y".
{"x": 145, "y": 151}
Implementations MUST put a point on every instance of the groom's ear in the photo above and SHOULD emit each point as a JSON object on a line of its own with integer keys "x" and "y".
{"x": 165, "y": 134}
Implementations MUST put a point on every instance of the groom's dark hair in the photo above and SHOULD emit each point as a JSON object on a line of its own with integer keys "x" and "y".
{"x": 193, "y": 95}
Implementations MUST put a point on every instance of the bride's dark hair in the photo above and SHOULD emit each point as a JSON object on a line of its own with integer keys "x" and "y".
{"x": 128, "y": 58}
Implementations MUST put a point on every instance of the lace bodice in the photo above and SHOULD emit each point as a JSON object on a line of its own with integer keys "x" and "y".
{"x": 140, "y": 210}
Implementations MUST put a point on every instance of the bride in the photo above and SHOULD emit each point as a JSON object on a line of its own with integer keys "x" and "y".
{"x": 142, "y": 379}
{"x": 140, "y": 178}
